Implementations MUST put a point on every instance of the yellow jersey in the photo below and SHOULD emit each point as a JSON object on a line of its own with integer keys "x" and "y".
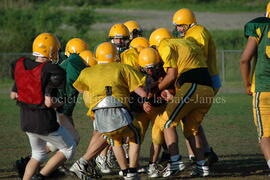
{"x": 202, "y": 36}
{"x": 130, "y": 57}
{"x": 121, "y": 77}
{"x": 182, "y": 54}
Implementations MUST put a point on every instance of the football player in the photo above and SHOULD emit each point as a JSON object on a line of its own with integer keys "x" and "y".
{"x": 34, "y": 90}
{"x": 184, "y": 62}
{"x": 109, "y": 97}
{"x": 256, "y": 80}
{"x": 186, "y": 27}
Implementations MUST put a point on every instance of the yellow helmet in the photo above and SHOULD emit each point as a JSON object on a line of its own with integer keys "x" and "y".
{"x": 139, "y": 43}
{"x": 158, "y": 35}
{"x": 267, "y": 14}
{"x": 118, "y": 31}
{"x": 106, "y": 52}
{"x": 134, "y": 29}
{"x": 75, "y": 45}
{"x": 46, "y": 45}
{"x": 184, "y": 16}
{"x": 131, "y": 25}
{"x": 88, "y": 58}
{"x": 148, "y": 58}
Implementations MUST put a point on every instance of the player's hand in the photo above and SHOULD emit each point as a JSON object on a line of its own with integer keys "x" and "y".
{"x": 248, "y": 90}
{"x": 166, "y": 95}
{"x": 13, "y": 95}
{"x": 147, "y": 107}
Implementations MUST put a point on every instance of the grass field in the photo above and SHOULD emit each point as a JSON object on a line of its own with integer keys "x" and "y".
{"x": 228, "y": 125}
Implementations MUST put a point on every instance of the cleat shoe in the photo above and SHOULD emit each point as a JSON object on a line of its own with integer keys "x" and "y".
{"x": 92, "y": 170}
{"x": 132, "y": 176}
{"x": 173, "y": 168}
{"x": 200, "y": 170}
{"x": 211, "y": 157}
{"x": 63, "y": 169}
{"x": 38, "y": 177}
{"x": 121, "y": 173}
{"x": 141, "y": 170}
{"x": 80, "y": 171}
{"x": 111, "y": 160}
{"x": 102, "y": 164}
{"x": 153, "y": 171}
{"x": 60, "y": 171}
{"x": 20, "y": 165}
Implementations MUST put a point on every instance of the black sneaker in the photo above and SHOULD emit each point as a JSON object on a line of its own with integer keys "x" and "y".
{"x": 200, "y": 170}
{"x": 92, "y": 170}
{"x": 20, "y": 165}
{"x": 60, "y": 171}
{"x": 38, "y": 177}
{"x": 173, "y": 168}
{"x": 211, "y": 157}
{"x": 80, "y": 170}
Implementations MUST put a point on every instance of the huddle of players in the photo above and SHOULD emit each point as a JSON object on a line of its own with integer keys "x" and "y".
{"x": 131, "y": 82}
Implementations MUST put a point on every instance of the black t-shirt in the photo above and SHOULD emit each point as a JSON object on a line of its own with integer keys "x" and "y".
{"x": 40, "y": 119}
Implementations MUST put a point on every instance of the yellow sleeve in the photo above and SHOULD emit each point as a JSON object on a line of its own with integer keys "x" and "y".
{"x": 133, "y": 78}
{"x": 203, "y": 37}
{"x": 168, "y": 56}
{"x": 130, "y": 57}
{"x": 80, "y": 84}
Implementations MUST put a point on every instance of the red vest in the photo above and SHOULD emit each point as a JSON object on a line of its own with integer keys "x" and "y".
{"x": 29, "y": 84}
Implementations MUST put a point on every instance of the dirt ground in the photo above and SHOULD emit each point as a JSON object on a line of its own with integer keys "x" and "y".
{"x": 151, "y": 19}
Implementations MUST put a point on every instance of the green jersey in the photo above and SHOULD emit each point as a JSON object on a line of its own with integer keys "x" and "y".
{"x": 260, "y": 29}
{"x": 73, "y": 66}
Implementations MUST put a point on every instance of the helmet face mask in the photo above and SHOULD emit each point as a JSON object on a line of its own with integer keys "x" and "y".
{"x": 152, "y": 70}
{"x": 119, "y": 36}
{"x": 121, "y": 44}
{"x": 136, "y": 33}
{"x": 134, "y": 29}
{"x": 181, "y": 29}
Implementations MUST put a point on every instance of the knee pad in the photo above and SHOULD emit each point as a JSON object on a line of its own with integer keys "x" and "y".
{"x": 69, "y": 152}
{"x": 40, "y": 156}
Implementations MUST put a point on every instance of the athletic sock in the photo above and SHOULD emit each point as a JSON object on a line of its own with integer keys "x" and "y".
{"x": 132, "y": 170}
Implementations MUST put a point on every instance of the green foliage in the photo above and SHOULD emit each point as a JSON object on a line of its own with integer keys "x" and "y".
{"x": 196, "y": 5}
{"x": 20, "y": 27}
